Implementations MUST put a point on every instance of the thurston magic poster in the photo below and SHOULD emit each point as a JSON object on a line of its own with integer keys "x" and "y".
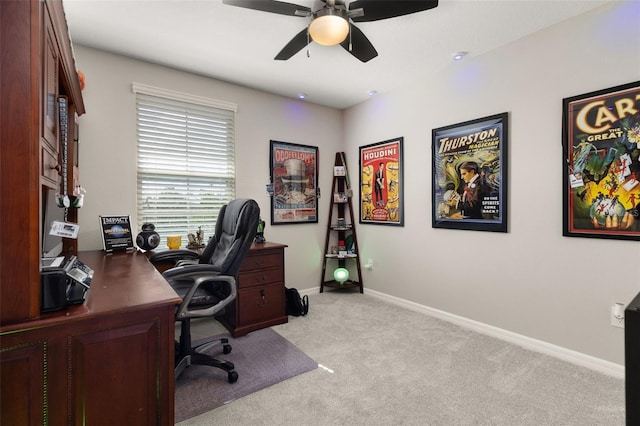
{"x": 469, "y": 169}
{"x": 601, "y": 140}
{"x": 381, "y": 186}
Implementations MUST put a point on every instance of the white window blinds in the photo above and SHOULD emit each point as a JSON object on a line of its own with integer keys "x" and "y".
{"x": 186, "y": 162}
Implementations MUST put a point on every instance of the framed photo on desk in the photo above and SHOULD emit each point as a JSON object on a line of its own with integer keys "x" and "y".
{"x": 116, "y": 233}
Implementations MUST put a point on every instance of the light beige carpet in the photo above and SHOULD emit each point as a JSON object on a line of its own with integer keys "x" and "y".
{"x": 384, "y": 365}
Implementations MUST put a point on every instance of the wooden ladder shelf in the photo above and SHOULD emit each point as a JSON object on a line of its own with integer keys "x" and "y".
{"x": 341, "y": 228}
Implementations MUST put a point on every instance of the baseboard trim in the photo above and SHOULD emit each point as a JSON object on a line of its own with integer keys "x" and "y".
{"x": 574, "y": 357}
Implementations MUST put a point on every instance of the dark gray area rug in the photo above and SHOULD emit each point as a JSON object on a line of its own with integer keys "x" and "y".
{"x": 262, "y": 358}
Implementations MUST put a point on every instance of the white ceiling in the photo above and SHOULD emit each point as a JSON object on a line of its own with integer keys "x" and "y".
{"x": 238, "y": 45}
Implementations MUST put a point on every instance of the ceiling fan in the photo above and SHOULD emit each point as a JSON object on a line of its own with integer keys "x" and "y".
{"x": 333, "y": 22}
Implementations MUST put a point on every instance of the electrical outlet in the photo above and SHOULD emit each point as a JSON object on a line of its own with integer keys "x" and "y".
{"x": 617, "y": 315}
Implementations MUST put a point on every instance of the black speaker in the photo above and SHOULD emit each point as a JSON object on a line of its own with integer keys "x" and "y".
{"x": 148, "y": 238}
{"x": 54, "y": 289}
{"x": 632, "y": 360}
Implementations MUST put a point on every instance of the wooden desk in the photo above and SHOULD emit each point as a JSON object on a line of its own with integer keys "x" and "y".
{"x": 260, "y": 302}
{"x": 109, "y": 361}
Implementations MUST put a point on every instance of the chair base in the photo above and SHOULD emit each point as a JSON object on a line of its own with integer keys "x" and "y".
{"x": 187, "y": 355}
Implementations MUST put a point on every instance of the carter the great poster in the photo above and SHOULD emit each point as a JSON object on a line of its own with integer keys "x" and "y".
{"x": 601, "y": 141}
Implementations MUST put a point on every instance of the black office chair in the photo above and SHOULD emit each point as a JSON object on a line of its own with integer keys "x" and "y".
{"x": 208, "y": 283}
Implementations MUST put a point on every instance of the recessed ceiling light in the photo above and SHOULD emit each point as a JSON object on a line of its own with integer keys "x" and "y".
{"x": 458, "y": 56}
{"x": 373, "y": 93}
{"x": 302, "y": 95}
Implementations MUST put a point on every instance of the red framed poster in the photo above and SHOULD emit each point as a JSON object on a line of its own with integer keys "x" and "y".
{"x": 381, "y": 185}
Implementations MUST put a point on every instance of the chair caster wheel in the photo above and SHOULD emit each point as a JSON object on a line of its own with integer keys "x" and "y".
{"x": 232, "y": 377}
{"x": 226, "y": 349}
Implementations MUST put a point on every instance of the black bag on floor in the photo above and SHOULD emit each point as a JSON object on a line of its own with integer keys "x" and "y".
{"x": 296, "y": 305}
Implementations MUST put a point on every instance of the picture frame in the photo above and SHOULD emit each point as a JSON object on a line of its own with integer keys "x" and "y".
{"x": 293, "y": 174}
{"x": 470, "y": 174}
{"x": 116, "y": 233}
{"x": 381, "y": 183}
{"x": 601, "y": 165}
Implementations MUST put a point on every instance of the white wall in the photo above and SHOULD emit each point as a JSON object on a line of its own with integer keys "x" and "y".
{"x": 531, "y": 280}
{"x": 108, "y": 148}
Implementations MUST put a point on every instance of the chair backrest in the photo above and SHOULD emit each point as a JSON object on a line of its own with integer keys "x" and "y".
{"x": 235, "y": 230}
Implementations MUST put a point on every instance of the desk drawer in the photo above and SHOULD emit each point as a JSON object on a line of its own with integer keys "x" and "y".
{"x": 257, "y": 261}
{"x": 265, "y": 276}
{"x": 260, "y": 303}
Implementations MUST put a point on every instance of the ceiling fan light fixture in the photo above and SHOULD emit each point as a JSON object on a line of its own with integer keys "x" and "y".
{"x": 329, "y": 27}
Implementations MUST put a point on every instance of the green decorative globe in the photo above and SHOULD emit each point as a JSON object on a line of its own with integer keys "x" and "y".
{"x": 341, "y": 275}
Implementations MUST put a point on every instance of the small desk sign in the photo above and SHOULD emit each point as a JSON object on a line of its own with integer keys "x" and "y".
{"x": 116, "y": 233}
{"x": 64, "y": 229}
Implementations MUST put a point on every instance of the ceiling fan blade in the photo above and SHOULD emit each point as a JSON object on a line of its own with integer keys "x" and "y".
{"x": 280, "y": 7}
{"x": 296, "y": 44}
{"x": 361, "y": 47}
{"x": 375, "y": 10}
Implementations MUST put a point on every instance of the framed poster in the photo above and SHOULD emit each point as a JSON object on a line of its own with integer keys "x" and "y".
{"x": 469, "y": 182}
{"x": 601, "y": 169}
{"x": 381, "y": 185}
{"x": 293, "y": 172}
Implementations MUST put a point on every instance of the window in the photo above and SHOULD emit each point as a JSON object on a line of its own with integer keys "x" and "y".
{"x": 186, "y": 160}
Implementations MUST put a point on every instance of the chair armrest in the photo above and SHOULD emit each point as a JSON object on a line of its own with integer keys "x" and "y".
{"x": 173, "y": 256}
{"x": 185, "y": 312}
{"x": 191, "y": 271}
{"x": 187, "y": 262}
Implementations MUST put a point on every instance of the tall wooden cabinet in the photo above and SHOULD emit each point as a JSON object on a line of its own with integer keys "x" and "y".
{"x": 36, "y": 67}
{"x": 341, "y": 248}
{"x": 110, "y": 360}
